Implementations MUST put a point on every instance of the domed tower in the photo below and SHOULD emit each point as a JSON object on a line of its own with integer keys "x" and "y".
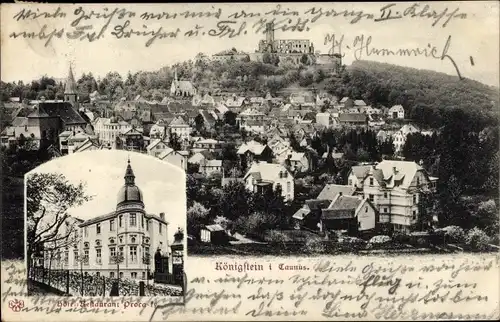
{"x": 129, "y": 196}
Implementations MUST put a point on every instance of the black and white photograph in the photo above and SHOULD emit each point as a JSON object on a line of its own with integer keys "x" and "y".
{"x": 105, "y": 223}
{"x": 264, "y": 161}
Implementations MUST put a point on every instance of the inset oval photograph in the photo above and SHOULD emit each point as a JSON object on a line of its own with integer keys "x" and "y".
{"x": 105, "y": 223}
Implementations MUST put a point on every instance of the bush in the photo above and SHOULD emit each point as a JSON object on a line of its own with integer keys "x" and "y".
{"x": 455, "y": 234}
{"x": 401, "y": 237}
{"x": 314, "y": 246}
{"x": 277, "y": 237}
{"x": 422, "y": 242}
{"x": 477, "y": 240}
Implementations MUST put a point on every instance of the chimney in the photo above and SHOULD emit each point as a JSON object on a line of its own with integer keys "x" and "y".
{"x": 162, "y": 215}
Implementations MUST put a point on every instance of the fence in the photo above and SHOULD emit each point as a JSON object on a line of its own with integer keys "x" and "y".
{"x": 78, "y": 284}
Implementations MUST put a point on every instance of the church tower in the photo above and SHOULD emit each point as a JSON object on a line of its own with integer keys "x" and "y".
{"x": 175, "y": 84}
{"x": 70, "y": 90}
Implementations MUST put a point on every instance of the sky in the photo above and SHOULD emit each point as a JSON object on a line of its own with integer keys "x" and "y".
{"x": 476, "y": 36}
{"x": 162, "y": 184}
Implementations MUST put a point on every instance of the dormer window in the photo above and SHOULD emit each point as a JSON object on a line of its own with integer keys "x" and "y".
{"x": 111, "y": 240}
{"x": 120, "y": 239}
{"x": 418, "y": 181}
{"x": 86, "y": 245}
{"x": 98, "y": 242}
{"x": 132, "y": 240}
{"x": 371, "y": 181}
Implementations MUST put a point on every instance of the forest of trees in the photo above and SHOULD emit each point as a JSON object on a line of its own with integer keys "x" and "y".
{"x": 242, "y": 75}
{"x": 427, "y": 96}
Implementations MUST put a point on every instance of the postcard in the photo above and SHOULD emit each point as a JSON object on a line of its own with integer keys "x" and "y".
{"x": 250, "y": 161}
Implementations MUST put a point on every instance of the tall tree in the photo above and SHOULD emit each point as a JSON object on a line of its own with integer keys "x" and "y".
{"x": 49, "y": 197}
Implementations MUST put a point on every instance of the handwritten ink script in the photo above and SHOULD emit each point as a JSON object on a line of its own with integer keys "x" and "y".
{"x": 79, "y": 23}
{"x": 362, "y": 47}
{"x": 338, "y": 288}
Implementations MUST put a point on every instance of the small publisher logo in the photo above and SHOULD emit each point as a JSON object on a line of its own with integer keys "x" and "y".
{"x": 16, "y": 305}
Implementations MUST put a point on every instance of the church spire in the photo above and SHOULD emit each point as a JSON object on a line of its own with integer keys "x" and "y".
{"x": 129, "y": 174}
{"x": 70, "y": 87}
{"x": 175, "y": 75}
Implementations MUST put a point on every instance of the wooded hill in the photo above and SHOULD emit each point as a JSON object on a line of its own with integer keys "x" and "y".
{"x": 427, "y": 96}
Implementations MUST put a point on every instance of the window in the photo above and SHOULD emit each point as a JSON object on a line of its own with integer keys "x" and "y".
{"x": 143, "y": 275}
{"x": 133, "y": 221}
{"x": 142, "y": 221}
{"x": 414, "y": 199}
{"x": 86, "y": 257}
{"x": 98, "y": 229}
{"x": 75, "y": 256}
{"x": 366, "y": 209}
{"x": 385, "y": 210}
{"x": 133, "y": 254}
{"x": 98, "y": 255}
{"x": 112, "y": 251}
{"x": 133, "y": 275}
{"x": 371, "y": 181}
{"x": 286, "y": 174}
{"x": 288, "y": 187}
{"x": 121, "y": 274}
{"x": 120, "y": 220}
{"x": 98, "y": 274}
{"x": 159, "y": 227}
{"x": 85, "y": 232}
{"x": 414, "y": 214}
{"x": 146, "y": 252}
{"x": 112, "y": 225}
{"x": 120, "y": 251}
{"x": 371, "y": 197}
{"x": 112, "y": 274}
{"x": 385, "y": 194}
{"x": 147, "y": 224}
{"x": 418, "y": 181}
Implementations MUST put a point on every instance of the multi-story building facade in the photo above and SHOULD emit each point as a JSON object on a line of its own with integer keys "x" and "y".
{"x": 395, "y": 188}
{"x": 180, "y": 128}
{"x": 108, "y": 129}
{"x": 121, "y": 243}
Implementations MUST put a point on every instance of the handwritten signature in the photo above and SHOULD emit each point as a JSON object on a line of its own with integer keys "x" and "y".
{"x": 361, "y": 47}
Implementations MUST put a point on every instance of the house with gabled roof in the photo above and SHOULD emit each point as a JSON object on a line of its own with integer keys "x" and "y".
{"x": 395, "y": 188}
{"x": 263, "y": 176}
{"x": 88, "y": 145}
{"x": 396, "y": 112}
{"x": 156, "y": 147}
{"x": 178, "y": 126}
{"x": 310, "y": 214}
{"x": 254, "y": 151}
{"x": 352, "y": 119}
{"x": 176, "y": 158}
{"x": 349, "y": 214}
